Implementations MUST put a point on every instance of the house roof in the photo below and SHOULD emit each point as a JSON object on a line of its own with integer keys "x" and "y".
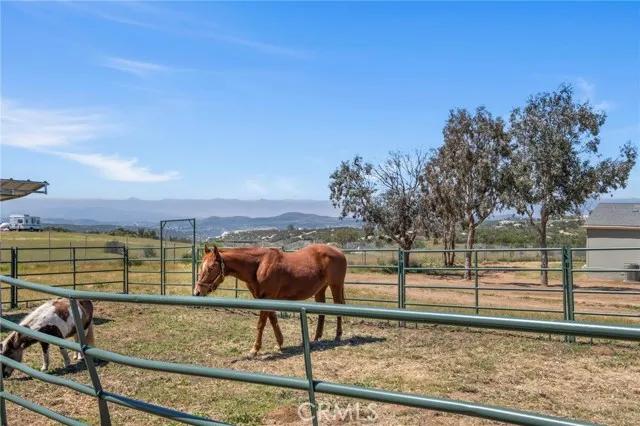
{"x": 614, "y": 215}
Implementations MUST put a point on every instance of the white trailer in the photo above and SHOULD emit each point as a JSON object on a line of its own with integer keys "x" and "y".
{"x": 24, "y": 222}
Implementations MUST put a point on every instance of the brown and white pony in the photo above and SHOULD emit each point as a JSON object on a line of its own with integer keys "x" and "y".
{"x": 273, "y": 274}
{"x": 54, "y": 318}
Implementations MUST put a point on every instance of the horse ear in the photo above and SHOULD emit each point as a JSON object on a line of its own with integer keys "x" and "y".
{"x": 216, "y": 252}
{"x": 206, "y": 249}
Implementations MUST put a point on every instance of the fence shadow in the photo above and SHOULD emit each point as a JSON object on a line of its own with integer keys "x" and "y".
{"x": 76, "y": 367}
{"x": 322, "y": 345}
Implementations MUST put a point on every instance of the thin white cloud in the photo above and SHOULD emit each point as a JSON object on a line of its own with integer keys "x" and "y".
{"x": 151, "y": 16}
{"x": 587, "y": 92}
{"x": 48, "y": 130}
{"x": 33, "y": 128}
{"x": 115, "y": 168}
{"x": 137, "y": 68}
{"x": 271, "y": 187}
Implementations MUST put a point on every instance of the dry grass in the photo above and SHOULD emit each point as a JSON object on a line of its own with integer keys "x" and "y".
{"x": 598, "y": 382}
{"x": 516, "y": 290}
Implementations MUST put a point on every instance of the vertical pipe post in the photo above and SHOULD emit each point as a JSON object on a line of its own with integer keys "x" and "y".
{"x": 125, "y": 270}
{"x": 567, "y": 289}
{"x": 73, "y": 267}
{"x": 570, "y": 293}
{"x": 304, "y": 326}
{"x": 401, "y": 277}
{"x": 105, "y": 418}
{"x": 161, "y": 257}
{"x": 404, "y": 284}
{"x": 3, "y": 408}
{"x": 193, "y": 257}
{"x": 236, "y": 288}
{"x": 14, "y": 274}
{"x": 399, "y": 268}
{"x": 565, "y": 284}
{"x": 476, "y": 282}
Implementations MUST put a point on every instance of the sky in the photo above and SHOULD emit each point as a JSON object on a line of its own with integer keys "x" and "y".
{"x": 263, "y": 100}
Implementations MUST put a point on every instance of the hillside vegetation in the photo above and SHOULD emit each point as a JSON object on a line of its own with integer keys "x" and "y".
{"x": 496, "y": 233}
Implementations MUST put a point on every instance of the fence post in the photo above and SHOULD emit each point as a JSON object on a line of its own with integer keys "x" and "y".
{"x": 14, "y": 274}
{"x": 570, "y": 294}
{"x": 105, "y": 418}
{"x": 193, "y": 267}
{"x": 400, "y": 273}
{"x": 162, "y": 268}
{"x": 401, "y": 278}
{"x": 3, "y": 408}
{"x": 404, "y": 285}
{"x": 161, "y": 257}
{"x": 476, "y": 286}
{"x": 125, "y": 270}
{"x": 563, "y": 264}
{"x": 73, "y": 266}
{"x": 304, "y": 326}
{"x": 567, "y": 289}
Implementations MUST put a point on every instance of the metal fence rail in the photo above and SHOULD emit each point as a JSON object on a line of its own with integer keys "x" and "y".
{"x": 309, "y": 383}
{"x": 136, "y": 269}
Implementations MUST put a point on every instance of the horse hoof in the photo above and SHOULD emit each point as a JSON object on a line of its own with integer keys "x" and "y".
{"x": 277, "y": 348}
{"x": 252, "y": 353}
{"x": 44, "y": 369}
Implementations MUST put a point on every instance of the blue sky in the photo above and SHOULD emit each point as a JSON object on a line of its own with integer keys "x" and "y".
{"x": 243, "y": 100}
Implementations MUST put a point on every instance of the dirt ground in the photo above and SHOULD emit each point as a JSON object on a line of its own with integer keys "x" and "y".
{"x": 511, "y": 290}
{"x": 597, "y": 381}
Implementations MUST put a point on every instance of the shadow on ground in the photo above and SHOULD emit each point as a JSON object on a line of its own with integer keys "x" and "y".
{"x": 319, "y": 346}
{"x": 75, "y": 367}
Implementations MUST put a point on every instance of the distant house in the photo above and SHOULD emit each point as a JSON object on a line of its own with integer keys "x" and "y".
{"x": 613, "y": 225}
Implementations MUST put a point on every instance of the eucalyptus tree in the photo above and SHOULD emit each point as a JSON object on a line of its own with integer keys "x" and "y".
{"x": 385, "y": 197}
{"x": 474, "y": 162}
{"x": 556, "y": 165}
{"x": 441, "y": 208}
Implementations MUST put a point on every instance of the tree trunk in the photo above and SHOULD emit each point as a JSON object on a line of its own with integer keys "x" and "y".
{"x": 452, "y": 255}
{"x": 449, "y": 244}
{"x": 405, "y": 257}
{"x": 471, "y": 237}
{"x": 544, "y": 255}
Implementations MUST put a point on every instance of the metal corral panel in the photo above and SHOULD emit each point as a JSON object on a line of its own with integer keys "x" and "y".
{"x": 617, "y": 259}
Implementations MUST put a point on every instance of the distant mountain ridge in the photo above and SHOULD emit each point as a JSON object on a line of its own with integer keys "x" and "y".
{"x": 135, "y": 211}
{"x": 216, "y": 226}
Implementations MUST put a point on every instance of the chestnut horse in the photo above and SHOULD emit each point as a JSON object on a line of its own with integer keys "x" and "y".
{"x": 273, "y": 274}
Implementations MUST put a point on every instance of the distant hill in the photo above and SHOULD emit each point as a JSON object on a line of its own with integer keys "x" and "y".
{"x": 218, "y": 225}
{"x": 136, "y": 212}
{"x": 215, "y": 226}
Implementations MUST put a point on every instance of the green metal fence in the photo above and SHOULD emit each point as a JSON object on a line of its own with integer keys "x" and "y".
{"x": 309, "y": 383}
{"x": 173, "y": 269}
